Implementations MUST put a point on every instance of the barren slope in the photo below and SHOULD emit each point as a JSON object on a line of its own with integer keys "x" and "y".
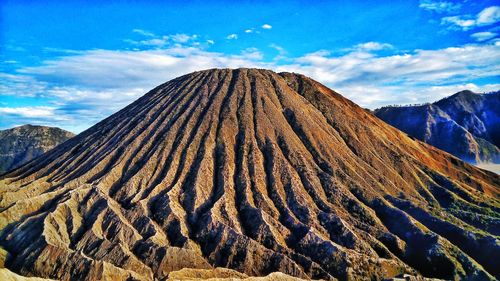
{"x": 254, "y": 171}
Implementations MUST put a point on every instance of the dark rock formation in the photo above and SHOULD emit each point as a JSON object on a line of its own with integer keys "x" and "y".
{"x": 254, "y": 171}
{"x": 466, "y": 124}
{"x": 21, "y": 144}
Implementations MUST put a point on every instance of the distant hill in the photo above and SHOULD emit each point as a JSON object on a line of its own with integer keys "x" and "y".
{"x": 21, "y": 144}
{"x": 465, "y": 124}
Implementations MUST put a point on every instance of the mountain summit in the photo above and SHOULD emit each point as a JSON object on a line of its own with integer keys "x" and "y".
{"x": 24, "y": 143}
{"x": 254, "y": 171}
{"x": 465, "y": 124}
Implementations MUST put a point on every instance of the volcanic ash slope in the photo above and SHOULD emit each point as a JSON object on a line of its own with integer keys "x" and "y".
{"x": 254, "y": 171}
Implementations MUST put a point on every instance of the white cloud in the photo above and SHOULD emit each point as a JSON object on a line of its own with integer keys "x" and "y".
{"x": 488, "y": 16}
{"x": 420, "y": 66}
{"x": 465, "y": 24}
{"x": 49, "y": 116}
{"x": 110, "y": 69}
{"x": 281, "y": 52}
{"x": 252, "y": 54}
{"x": 20, "y": 85}
{"x": 143, "y": 32}
{"x": 90, "y": 85}
{"x": 252, "y": 30}
{"x": 439, "y": 6}
{"x": 87, "y": 86}
{"x": 382, "y": 95}
{"x": 34, "y": 111}
{"x": 483, "y": 36}
{"x": 373, "y": 46}
{"x": 154, "y": 42}
{"x": 161, "y": 41}
{"x": 372, "y": 80}
{"x": 37, "y": 115}
{"x": 232, "y": 36}
{"x": 266, "y": 26}
{"x": 105, "y": 69}
{"x": 183, "y": 38}
{"x": 211, "y": 42}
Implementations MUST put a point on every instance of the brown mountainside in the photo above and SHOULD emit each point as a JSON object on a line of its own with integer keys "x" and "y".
{"x": 254, "y": 171}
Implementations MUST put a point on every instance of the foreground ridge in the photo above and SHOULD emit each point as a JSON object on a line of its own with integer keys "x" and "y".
{"x": 255, "y": 171}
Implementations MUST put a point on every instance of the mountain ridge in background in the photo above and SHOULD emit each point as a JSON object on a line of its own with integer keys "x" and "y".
{"x": 254, "y": 171}
{"x": 21, "y": 144}
{"x": 465, "y": 124}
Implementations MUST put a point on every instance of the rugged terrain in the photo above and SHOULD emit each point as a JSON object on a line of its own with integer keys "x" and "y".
{"x": 21, "y": 144}
{"x": 252, "y": 171}
{"x": 465, "y": 124}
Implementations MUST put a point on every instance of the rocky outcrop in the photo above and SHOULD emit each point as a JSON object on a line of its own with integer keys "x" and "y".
{"x": 466, "y": 124}
{"x": 21, "y": 144}
{"x": 252, "y": 171}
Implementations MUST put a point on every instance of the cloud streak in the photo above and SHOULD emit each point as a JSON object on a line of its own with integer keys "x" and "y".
{"x": 32, "y": 112}
{"x": 483, "y": 36}
{"x": 105, "y": 69}
{"x": 153, "y": 40}
{"x": 487, "y": 16}
{"x": 373, "y": 46}
{"x": 87, "y": 86}
{"x": 439, "y": 6}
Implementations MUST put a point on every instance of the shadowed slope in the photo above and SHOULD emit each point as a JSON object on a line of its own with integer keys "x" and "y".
{"x": 465, "y": 124}
{"x": 254, "y": 171}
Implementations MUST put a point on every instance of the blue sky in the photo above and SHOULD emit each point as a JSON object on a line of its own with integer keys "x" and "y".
{"x": 72, "y": 63}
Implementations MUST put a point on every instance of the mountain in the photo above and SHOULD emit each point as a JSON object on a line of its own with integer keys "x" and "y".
{"x": 465, "y": 124}
{"x": 253, "y": 171}
{"x": 21, "y": 144}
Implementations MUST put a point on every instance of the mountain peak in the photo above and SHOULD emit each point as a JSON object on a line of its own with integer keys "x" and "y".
{"x": 466, "y": 92}
{"x": 465, "y": 124}
{"x": 21, "y": 144}
{"x": 462, "y": 96}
